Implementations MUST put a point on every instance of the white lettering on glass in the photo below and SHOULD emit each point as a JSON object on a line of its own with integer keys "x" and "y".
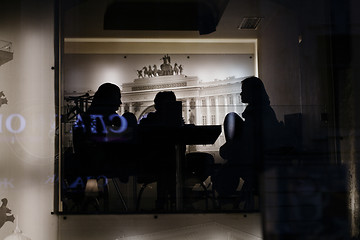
{"x": 9, "y": 125}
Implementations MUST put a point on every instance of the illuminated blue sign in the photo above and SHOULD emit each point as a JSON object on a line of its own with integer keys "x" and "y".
{"x": 96, "y": 119}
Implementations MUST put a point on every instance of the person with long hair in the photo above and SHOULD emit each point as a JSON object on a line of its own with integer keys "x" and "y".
{"x": 253, "y": 137}
{"x": 97, "y": 132}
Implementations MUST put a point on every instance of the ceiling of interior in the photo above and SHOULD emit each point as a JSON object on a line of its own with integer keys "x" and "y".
{"x": 191, "y": 15}
{"x": 157, "y": 18}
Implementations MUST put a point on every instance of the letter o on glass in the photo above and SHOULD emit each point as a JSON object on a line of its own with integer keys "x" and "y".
{"x": 9, "y": 121}
{"x": 123, "y": 125}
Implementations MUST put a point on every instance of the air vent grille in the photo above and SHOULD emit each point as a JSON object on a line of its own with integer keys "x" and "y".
{"x": 250, "y": 23}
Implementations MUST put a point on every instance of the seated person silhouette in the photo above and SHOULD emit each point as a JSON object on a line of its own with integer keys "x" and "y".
{"x": 244, "y": 151}
{"x": 96, "y": 136}
{"x": 167, "y": 111}
{"x": 159, "y": 161}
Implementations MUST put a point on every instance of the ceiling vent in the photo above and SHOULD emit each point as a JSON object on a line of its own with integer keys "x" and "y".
{"x": 250, "y": 23}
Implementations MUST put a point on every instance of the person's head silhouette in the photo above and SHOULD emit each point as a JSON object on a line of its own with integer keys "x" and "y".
{"x": 253, "y": 92}
{"x": 107, "y": 98}
{"x": 163, "y": 100}
{"x": 130, "y": 118}
{"x": 168, "y": 110}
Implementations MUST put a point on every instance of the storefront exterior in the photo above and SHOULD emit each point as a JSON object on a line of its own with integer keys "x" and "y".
{"x": 53, "y": 50}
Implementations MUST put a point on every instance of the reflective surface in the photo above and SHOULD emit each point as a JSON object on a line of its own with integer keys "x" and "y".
{"x": 129, "y": 182}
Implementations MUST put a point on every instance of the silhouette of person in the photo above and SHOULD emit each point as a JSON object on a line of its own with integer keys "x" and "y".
{"x": 130, "y": 118}
{"x": 261, "y": 125}
{"x": 249, "y": 140}
{"x": 96, "y": 133}
{"x": 161, "y": 156}
{"x": 166, "y": 113}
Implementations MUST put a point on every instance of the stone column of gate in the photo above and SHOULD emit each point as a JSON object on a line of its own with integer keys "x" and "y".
{"x": 208, "y": 112}
{"x": 234, "y": 102}
{"x": 122, "y": 109}
{"x": 131, "y": 107}
{"x": 226, "y": 107}
{"x": 198, "y": 111}
{"x": 187, "y": 111}
{"x": 217, "y": 111}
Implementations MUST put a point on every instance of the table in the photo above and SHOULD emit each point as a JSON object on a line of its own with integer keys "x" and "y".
{"x": 179, "y": 136}
{"x": 130, "y": 143}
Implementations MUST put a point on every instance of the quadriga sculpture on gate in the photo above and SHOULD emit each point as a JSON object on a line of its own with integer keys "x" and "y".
{"x": 166, "y": 69}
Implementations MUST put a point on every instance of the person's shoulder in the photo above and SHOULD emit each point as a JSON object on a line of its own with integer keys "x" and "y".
{"x": 150, "y": 118}
{"x": 130, "y": 118}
